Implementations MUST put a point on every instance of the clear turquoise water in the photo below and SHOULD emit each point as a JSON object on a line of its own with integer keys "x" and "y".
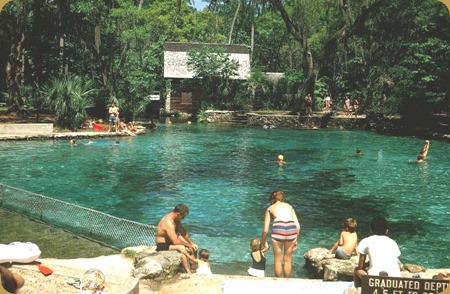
{"x": 225, "y": 175}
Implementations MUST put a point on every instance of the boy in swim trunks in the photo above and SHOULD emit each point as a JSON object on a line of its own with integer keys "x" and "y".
{"x": 113, "y": 116}
{"x": 348, "y": 239}
{"x": 171, "y": 235}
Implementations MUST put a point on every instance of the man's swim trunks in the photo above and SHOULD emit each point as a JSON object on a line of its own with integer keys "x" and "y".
{"x": 163, "y": 246}
{"x": 112, "y": 118}
{"x": 284, "y": 230}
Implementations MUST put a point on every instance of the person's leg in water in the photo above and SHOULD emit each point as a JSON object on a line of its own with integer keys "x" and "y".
{"x": 277, "y": 255}
{"x": 289, "y": 247}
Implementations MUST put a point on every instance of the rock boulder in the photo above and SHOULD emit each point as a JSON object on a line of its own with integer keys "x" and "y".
{"x": 342, "y": 270}
{"x": 331, "y": 269}
{"x": 149, "y": 264}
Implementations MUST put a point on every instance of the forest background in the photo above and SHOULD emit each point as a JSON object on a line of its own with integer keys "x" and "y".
{"x": 67, "y": 56}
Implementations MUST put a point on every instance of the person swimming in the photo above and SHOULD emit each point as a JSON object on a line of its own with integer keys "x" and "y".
{"x": 422, "y": 157}
{"x": 280, "y": 160}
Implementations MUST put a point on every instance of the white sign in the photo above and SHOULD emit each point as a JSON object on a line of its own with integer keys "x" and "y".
{"x": 154, "y": 96}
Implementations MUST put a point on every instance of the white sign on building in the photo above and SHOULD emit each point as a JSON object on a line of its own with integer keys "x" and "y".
{"x": 175, "y": 59}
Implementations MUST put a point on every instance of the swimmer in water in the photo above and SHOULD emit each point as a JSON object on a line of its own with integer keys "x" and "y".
{"x": 422, "y": 157}
{"x": 280, "y": 160}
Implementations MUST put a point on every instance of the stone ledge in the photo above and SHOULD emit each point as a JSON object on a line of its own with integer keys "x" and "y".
{"x": 26, "y": 129}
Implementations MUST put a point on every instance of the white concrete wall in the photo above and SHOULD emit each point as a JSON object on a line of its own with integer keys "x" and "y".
{"x": 18, "y": 129}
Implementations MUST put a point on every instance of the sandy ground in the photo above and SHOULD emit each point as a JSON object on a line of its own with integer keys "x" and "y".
{"x": 117, "y": 270}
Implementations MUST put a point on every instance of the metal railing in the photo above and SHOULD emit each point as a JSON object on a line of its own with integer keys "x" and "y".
{"x": 117, "y": 232}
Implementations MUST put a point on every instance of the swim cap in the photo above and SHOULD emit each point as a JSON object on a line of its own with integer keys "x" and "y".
{"x": 280, "y": 157}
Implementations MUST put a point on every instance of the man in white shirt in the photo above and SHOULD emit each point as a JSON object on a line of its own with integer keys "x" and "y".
{"x": 383, "y": 253}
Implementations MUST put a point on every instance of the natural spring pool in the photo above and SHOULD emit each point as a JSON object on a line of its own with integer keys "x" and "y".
{"x": 225, "y": 175}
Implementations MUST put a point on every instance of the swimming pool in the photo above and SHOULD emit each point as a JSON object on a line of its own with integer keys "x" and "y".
{"x": 225, "y": 175}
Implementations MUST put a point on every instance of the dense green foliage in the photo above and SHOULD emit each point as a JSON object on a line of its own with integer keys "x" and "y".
{"x": 393, "y": 55}
{"x": 213, "y": 70}
{"x": 68, "y": 97}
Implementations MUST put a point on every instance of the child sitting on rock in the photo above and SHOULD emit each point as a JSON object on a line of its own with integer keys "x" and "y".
{"x": 346, "y": 245}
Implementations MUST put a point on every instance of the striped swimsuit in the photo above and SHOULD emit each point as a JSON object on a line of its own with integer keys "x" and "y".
{"x": 284, "y": 230}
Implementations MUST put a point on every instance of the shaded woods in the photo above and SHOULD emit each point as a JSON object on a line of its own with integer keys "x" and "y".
{"x": 392, "y": 55}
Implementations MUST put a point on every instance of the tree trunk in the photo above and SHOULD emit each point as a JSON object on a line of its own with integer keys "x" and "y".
{"x": 62, "y": 15}
{"x": 13, "y": 76}
{"x": 234, "y": 21}
{"x": 311, "y": 69}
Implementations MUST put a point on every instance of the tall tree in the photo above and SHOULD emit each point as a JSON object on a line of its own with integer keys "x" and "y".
{"x": 16, "y": 14}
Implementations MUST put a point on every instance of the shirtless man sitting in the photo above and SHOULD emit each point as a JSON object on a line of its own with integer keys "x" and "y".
{"x": 171, "y": 235}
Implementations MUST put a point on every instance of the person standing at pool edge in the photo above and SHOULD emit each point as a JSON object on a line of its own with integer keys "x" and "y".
{"x": 285, "y": 231}
{"x": 171, "y": 235}
{"x": 113, "y": 116}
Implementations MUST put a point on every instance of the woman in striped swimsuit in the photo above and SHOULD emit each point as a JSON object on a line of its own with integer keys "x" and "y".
{"x": 285, "y": 231}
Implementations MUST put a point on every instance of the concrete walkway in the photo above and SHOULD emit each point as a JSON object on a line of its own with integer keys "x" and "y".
{"x": 60, "y": 136}
{"x": 44, "y": 131}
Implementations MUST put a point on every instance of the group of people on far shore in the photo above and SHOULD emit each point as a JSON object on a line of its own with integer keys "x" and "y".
{"x": 350, "y": 105}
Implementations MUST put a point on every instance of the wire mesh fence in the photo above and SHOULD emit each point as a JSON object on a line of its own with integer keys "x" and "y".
{"x": 83, "y": 221}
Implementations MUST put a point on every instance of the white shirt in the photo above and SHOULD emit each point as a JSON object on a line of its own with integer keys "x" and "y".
{"x": 383, "y": 253}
